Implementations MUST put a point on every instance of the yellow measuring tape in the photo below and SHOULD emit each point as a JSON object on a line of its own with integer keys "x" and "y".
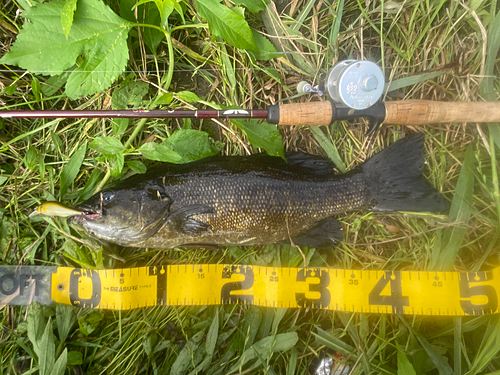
{"x": 399, "y": 292}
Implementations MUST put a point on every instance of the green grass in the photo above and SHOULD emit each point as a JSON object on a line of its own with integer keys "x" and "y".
{"x": 406, "y": 39}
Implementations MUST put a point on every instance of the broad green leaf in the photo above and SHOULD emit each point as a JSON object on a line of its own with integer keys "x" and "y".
{"x": 148, "y": 344}
{"x": 74, "y": 358}
{"x": 164, "y": 98}
{"x": 142, "y": 2}
{"x": 443, "y": 257}
{"x": 92, "y": 182}
{"x": 116, "y": 163}
{"x": 255, "y": 6}
{"x": 262, "y": 135}
{"x": 160, "y": 152}
{"x": 404, "y": 365}
{"x": 67, "y": 15}
{"x": 7, "y": 233}
{"x": 98, "y": 71}
{"x": 147, "y": 14}
{"x": 185, "y": 356}
{"x": 60, "y": 365}
{"x": 36, "y": 88}
{"x": 192, "y": 145}
{"x": 228, "y": 66}
{"x": 188, "y": 96}
{"x": 107, "y": 145}
{"x": 65, "y": 319}
{"x": 97, "y": 34}
{"x": 30, "y": 158}
{"x": 200, "y": 369}
{"x": 129, "y": 94}
{"x": 266, "y": 323}
{"x": 249, "y": 327}
{"x": 266, "y": 48}
{"x": 278, "y": 317}
{"x": 137, "y": 166}
{"x": 212, "y": 334}
{"x": 168, "y": 8}
{"x": 239, "y": 11}
{"x": 71, "y": 169}
{"x": 119, "y": 126}
{"x": 267, "y": 346}
{"x": 328, "y": 147}
{"x": 89, "y": 322}
{"x": 46, "y": 350}
{"x": 228, "y": 25}
{"x": 438, "y": 360}
{"x": 36, "y": 325}
{"x": 113, "y": 150}
{"x": 50, "y": 86}
{"x": 9, "y": 90}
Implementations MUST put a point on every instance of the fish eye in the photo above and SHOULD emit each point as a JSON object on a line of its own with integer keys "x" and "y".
{"x": 107, "y": 196}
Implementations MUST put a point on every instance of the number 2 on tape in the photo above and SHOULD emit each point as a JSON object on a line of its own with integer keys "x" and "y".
{"x": 235, "y": 286}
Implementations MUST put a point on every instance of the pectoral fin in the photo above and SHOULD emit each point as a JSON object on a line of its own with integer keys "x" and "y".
{"x": 182, "y": 222}
{"x": 324, "y": 235}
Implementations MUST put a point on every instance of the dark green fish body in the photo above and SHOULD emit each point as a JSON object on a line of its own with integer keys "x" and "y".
{"x": 258, "y": 199}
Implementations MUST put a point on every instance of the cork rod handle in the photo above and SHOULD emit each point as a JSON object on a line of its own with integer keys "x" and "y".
{"x": 419, "y": 112}
{"x": 305, "y": 114}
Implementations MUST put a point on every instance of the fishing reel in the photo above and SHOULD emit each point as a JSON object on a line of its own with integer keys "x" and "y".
{"x": 355, "y": 88}
{"x": 353, "y": 83}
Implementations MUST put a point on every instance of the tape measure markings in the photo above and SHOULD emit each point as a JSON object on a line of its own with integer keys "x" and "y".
{"x": 400, "y": 292}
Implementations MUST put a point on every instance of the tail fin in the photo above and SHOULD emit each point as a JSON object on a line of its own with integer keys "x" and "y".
{"x": 395, "y": 178}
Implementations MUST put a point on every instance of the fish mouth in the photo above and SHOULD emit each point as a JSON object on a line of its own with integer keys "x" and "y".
{"x": 88, "y": 213}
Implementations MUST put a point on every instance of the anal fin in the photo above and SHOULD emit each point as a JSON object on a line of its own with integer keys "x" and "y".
{"x": 324, "y": 235}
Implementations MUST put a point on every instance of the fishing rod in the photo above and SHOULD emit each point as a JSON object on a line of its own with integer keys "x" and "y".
{"x": 355, "y": 88}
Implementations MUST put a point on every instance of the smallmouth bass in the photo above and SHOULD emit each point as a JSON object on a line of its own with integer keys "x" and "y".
{"x": 257, "y": 199}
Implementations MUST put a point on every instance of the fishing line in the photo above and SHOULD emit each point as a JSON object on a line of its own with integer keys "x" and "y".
{"x": 387, "y": 292}
{"x": 122, "y": 71}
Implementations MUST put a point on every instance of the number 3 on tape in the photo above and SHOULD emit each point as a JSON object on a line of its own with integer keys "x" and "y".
{"x": 322, "y": 294}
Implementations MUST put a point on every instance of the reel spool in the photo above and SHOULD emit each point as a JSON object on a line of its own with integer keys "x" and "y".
{"x": 353, "y": 83}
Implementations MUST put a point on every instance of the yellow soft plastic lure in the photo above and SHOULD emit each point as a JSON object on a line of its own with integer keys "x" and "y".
{"x": 55, "y": 209}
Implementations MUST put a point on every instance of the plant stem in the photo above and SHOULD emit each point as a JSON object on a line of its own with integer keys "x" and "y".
{"x": 494, "y": 178}
{"x": 165, "y": 83}
{"x": 127, "y": 144}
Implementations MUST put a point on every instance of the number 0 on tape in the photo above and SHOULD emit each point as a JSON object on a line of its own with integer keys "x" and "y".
{"x": 399, "y": 292}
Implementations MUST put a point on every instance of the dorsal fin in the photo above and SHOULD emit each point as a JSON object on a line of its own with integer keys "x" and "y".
{"x": 315, "y": 164}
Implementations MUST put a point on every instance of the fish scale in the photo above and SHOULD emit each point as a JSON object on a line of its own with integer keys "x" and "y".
{"x": 257, "y": 199}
